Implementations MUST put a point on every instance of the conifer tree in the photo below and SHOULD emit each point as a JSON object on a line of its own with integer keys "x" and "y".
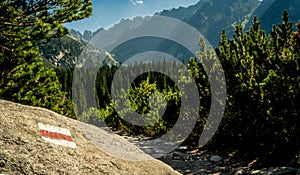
{"x": 23, "y": 22}
{"x": 262, "y": 76}
{"x": 37, "y": 85}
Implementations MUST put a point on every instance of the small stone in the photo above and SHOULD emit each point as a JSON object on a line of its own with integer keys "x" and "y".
{"x": 193, "y": 151}
{"x": 183, "y": 148}
{"x": 215, "y": 159}
{"x": 239, "y": 172}
{"x": 256, "y": 172}
{"x": 222, "y": 169}
{"x": 216, "y": 173}
{"x": 2, "y": 163}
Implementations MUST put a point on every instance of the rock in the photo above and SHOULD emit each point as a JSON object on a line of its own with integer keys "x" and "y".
{"x": 215, "y": 158}
{"x": 239, "y": 172}
{"x": 183, "y": 148}
{"x": 2, "y": 163}
{"x": 20, "y": 132}
{"x": 256, "y": 171}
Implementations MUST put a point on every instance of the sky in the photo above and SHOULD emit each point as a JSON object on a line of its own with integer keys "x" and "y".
{"x": 108, "y": 12}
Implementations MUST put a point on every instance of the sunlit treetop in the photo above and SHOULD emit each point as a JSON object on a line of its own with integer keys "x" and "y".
{"x": 41, "y": 19}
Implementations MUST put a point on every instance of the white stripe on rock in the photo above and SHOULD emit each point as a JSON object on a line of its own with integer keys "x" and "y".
{"x": 54, "y": 129}
{"x": 61, "y": 142}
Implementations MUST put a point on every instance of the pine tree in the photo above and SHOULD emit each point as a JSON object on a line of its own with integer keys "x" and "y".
{"x": 263, "y": 86}
{"x": 37, "y": 85}
{"x": 22, "y": 23}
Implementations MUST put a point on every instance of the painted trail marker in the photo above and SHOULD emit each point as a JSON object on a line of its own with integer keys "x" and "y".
{"x": 56, "y": 135}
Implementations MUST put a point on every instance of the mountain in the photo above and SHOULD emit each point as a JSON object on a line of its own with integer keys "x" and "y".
{"x": 265, "y": 5}
{"x": 216, "y": 15}
{"x": 68, "y": 51}
{"x": 86, "y": 36}
{"x": 182, "y": 13}
{"x": 209, "y": 17}
{"x": 274, "y": 13}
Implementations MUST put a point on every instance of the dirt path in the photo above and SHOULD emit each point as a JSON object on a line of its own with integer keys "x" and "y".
{"x": 205, "y": 162}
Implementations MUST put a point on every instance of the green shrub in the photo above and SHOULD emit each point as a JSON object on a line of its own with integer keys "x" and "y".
{"x": 263, "y": 91}
{"x": 36, "y": 85}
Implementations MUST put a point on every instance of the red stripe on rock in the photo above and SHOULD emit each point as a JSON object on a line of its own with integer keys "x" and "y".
{"x": 55, "y": 135}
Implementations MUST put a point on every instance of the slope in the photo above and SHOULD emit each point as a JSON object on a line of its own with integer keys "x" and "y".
{"x": 216, "y": 15}
{"x": 66, "y": 52}
{"x": 274, "y": 13}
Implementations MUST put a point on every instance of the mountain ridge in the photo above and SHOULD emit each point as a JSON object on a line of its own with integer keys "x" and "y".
{"x": 209, "y": 17}
{"x": 67, "y": 52}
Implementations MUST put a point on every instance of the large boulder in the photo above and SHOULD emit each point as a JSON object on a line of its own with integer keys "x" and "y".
{"x": 31, "y": 139}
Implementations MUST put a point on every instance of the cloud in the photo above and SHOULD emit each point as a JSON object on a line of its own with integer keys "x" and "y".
{"x": 140, "y": 2}
{"x": 137, "y": 2}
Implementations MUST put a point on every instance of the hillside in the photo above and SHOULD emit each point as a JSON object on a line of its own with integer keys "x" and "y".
{"x": 216, "y": 15}
{"x": 274, "y": 13}
{"x": 25, "y": 151}
{"x": 66, "y": 52}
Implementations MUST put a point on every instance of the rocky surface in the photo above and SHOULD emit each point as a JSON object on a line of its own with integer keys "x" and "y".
{"x": 203, "y": 162}
{"x": 23, "y": 151}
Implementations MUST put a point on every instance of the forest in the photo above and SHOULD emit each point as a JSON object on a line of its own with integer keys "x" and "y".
{"x": 261, "y": 117}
